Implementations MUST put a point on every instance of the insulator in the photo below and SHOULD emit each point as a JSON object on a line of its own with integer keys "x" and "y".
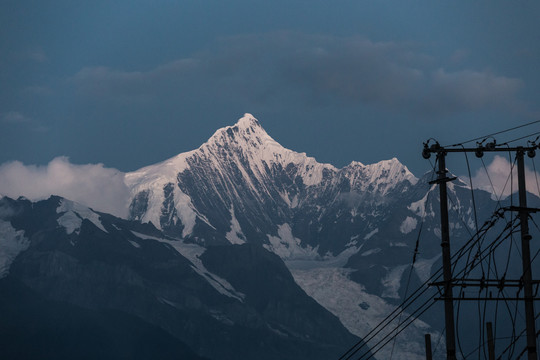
{"x": 531, "y": 153}
{"x": 479, "y": 152}
{"x": 490, "y": 145}
{"x": 425, "y": 153}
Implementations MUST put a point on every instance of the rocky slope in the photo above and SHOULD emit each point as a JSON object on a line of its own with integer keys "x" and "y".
{"x": 127, "y": 285}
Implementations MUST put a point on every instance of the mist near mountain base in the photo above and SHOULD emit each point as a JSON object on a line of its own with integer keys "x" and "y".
{"x": 104, "y": 189}
{"x": 93, "y": 185}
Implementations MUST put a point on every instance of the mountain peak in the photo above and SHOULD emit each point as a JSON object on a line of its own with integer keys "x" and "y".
{"x": 391, "y": 169}
{"x": 247, "y": 121}
{"x": 247, "y": 134}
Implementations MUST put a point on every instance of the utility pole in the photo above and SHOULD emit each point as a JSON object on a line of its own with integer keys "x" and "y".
{"x": 526, "y": 258}
{"x": 446, "y": 259}
{"x": 429, "y": 353}
{"x": 449, "y": 282}
{"x": 491, "y": 343}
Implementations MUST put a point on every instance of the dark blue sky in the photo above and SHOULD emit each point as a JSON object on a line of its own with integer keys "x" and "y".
{"x": 130, "y": 83}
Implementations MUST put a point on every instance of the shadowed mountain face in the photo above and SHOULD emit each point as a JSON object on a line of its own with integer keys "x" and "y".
{"x": 35, "y": 327}
{"x": 77, "y": 275}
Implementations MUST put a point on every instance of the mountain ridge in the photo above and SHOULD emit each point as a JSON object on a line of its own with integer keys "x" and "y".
{"x": 97, "y": 263}
{"x": 242, "y": 164}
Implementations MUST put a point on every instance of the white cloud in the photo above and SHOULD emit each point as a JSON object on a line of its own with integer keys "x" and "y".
{"x": 499, "y": 175}
{"x": 93, "y": 185}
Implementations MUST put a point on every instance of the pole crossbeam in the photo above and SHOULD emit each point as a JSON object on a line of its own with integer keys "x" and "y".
{"x": 482, "y": 283}
{"x": 485, "y": 299}
{"x": 484, "y": 149}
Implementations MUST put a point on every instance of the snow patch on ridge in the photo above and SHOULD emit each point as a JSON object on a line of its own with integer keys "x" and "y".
{"x": 371, "y": 252}
{"x": 12, "y": 243}
{"x": 392, "y": 281}
{"x": 422, "y": 267}
{"x": 286, "y": 246}
{"x": 192, "y": 253}
{"x": 408, "y": 225}
{"x": 292, "y": 203}
{"x": 235, "y": 235}
{"x": 184, "y": 209}
{"x": 71, "y": 222}
{"x": 74, "y": 214}
{"x": 371, "y": 233}
{"x": 419, "y": 207}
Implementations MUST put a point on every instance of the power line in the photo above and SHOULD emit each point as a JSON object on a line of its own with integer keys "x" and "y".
{"x": 520, "y": 138}
{"x": 456, "y": 261}
{"x": 495, "y": 133}
{"x": 490, "y": 250}
{"x": 422, "y": 289}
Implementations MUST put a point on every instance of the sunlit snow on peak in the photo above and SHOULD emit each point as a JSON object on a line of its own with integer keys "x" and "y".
{"x": 247, "y": 121}
{"x": 244, "y": 159}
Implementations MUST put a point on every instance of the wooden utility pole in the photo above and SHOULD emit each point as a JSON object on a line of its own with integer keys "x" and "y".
{"x": 446, "y": 260}
{"x": 429, "y": 354}
{"x": 448, "y": 281}
{"x": 526, "y": 258}
{"x": 491, "y": 343}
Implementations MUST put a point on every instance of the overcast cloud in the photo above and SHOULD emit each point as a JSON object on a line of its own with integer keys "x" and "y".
{"x": 129, "y": 84}
{"x": 93, "y": 185}
{"x": 287, "y": 66}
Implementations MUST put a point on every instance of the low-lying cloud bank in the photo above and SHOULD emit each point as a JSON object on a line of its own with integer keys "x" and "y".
{"x": 104, "y": 189}
{"x": 93, "y": 185}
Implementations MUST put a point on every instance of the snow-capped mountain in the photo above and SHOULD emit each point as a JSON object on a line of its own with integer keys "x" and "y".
{"x": 241, "y": 185}
{"x": 351, "y": 231}
{"x": 197, "y": 257}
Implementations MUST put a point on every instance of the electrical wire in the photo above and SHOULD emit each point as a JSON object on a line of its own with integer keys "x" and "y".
{"x": 417, "y": 244}
{"x": 439, "y": 340}
{"x": 495, "y": 133}
{"x": 492, "y": 247}
{"x": 412, "y": 318}
{"x": 484, "y": 344}
{"x": 466, "y": 226}
{"x": 525, "y": 349}
{"x": 387, "y": 321}
{"x": 390, "y": 317}
{"x": 479, "y": 259}
{"x": 514, "y": 341}
{"x": 520, "y": 138}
